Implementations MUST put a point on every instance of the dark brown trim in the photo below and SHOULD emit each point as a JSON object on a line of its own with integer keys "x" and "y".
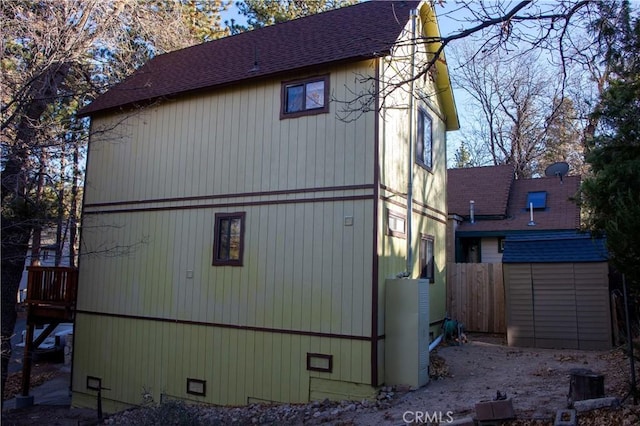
{"x": 238, "y": 195}
{"x": 420, "y": 212}
{"x": 94, "y": 383}
{"x": 302, "y": 82}
{"x": 217, "y": 260}
{"x": 328, "y": 358}
{"x": 376, "y": 201}
{"x": 203, "y": 383}
{"x": 400, "y": 194}
{"x": 231, "y": 326}
{"x": 237, "y": 204}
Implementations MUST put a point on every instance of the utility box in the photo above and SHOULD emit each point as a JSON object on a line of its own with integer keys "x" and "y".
{"x": 406, "y": 332}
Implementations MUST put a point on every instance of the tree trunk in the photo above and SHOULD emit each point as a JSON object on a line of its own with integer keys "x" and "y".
{"x": 17, "y": 221}
{"x": 15, "y": 241}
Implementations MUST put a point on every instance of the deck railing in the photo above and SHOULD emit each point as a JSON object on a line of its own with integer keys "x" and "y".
{"x": 52, "y": 285}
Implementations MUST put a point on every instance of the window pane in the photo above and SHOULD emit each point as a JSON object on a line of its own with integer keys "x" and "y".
{"x": 223, "y": 253}
{"x": 420, "y": 137}
{"x": 426, "y": 140}
{"x": 315, "y": 95}
{"x": 430, "y": 261}
{"x": 294, "y": 98}
{"x": 229, "y": 235}
{"x": 234, "y": 240}
{"x": 539, "y": 200}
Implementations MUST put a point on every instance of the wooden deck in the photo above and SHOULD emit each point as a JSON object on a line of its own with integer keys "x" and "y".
{"x": 51, "y": 299}
{"x": 51, "y": 293}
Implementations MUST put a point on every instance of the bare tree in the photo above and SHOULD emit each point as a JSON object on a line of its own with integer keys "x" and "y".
{"x": 56, "y": 57}
{"x": 522, "y": 118}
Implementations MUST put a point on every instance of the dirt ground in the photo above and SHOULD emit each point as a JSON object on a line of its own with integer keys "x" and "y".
{"x": 537, "y": 381}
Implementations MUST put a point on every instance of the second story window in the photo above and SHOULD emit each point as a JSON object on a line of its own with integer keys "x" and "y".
{"x": 305, "y": 97}
{"x": 424, "y": 140}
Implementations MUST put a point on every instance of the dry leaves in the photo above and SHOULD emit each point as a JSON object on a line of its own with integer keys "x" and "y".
{"x": 13, "y": 386}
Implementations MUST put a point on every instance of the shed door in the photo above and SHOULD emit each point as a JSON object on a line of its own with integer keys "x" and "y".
{"x": 519, "y": 304}
{"x": 558, "y": 305}
{"x": 554, "y": 298}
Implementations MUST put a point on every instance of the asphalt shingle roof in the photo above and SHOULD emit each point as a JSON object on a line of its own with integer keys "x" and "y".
{"x": 362, "y": 31}
{"x": 487, "y": 186}
{"x": 554, "y": 247}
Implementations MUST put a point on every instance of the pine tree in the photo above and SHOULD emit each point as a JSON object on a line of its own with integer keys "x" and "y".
{"x": 612, "y": 194}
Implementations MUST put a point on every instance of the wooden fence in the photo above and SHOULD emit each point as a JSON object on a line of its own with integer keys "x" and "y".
{"x": 475, "y": 296}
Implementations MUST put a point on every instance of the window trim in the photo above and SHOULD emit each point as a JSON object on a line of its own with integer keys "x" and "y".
{"x": 216, "y": 239}
{"x": 419, "y": 141}
{"x": 396, "y": 215}
{"x": 303, "y": 81}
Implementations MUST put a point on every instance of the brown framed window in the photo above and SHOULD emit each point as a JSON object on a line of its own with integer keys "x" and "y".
{"x": 305, "y": 97}
{"x": 424, "y": 140}
{"x": 228, "y": 245}
{"x": 396, "y": 224}
{"x": 427, "y": 258}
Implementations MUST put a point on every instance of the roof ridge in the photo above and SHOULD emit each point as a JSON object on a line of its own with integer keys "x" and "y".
{"x": 351, "y": 33}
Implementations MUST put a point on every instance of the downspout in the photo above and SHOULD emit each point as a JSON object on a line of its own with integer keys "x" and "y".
{"x": 414, "y": 15}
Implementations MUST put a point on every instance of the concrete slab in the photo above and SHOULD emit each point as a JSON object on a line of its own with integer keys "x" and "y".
{"x": 52, "y": 392}
{"x": 594, "y": 404}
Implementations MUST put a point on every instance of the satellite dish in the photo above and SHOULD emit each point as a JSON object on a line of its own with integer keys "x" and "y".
{"x": 559, "y": 169}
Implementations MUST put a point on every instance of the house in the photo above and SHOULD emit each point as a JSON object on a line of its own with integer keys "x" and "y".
{"x": 245, "y": 201}
{"x": 552, "y": 288}
{"x": 487, "y": 204}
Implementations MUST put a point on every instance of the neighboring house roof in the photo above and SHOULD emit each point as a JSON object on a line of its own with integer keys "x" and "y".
{"x": 554, "y": 247}
{"x": 362, "y": 31}
{"x": 488, "y": 187}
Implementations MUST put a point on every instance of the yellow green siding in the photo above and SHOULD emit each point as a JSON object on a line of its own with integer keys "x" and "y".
{"x": 153, "y": 311}
{"x": 303, "y": 269}
{"x": 398, "y": 116}
{"x": 230, "y": 141}
{"x": 135, "y": 356}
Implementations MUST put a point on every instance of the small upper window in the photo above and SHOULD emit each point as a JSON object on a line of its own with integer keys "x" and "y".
{"x": 305, "y": 97}
{"x": 424, "y": 140}
{"x": 228, "y": 247}
{"x": 538, "y": 199}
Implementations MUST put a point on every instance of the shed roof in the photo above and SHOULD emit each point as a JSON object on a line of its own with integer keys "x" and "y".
{"x": 554, "y": 247}
{"x": 362, "y": 31}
